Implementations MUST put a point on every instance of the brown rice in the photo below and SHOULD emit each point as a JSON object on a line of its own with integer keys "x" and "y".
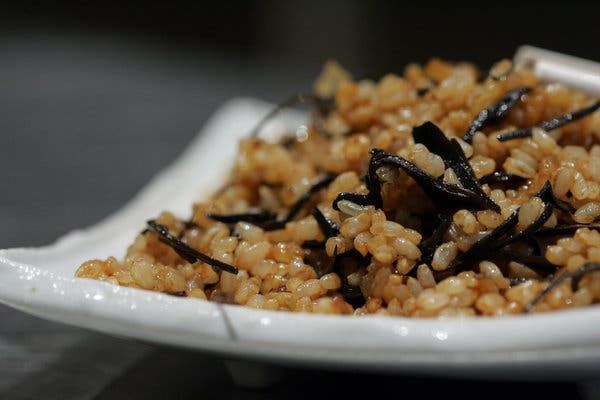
{"x": 279, "y": 271}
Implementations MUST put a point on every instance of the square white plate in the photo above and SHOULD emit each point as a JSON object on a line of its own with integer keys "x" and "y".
{"x": 40, "y": 281}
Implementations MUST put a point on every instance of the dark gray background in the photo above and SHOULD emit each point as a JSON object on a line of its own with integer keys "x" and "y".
{"x": 94, "y": 101}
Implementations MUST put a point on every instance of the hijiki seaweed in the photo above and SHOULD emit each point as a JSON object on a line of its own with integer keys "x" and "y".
{"x": 186, "y": 252}
{"x": 507, "y": 242}
{"x": 549, "y": 125}
{"x": 270, "y": 221}
{"x": 495, "y": 113}
{"x": 448, "y": 197}
{"x": 575, "y": 278}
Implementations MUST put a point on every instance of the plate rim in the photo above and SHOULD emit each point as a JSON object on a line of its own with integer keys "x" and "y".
{"x": 234, "y": 319}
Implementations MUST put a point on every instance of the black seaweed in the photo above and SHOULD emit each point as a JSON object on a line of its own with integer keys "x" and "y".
{"x": 360, "y": 199}
{"x": 549, "y": 125}
{"x": 454, "y": 157}
{"x": 268, "y": 220}
{"x": 177, "y": 294}
{"x": 495, "y": 113}
{"x": 428, "y": 246}
{"x": 561, "y": 230}
{"x": 324, "y": 106}
{"x": 534, "y": 243}
{"x": 538, "y": 263}
{"x": 516, "y": 281}
{"x": 503, "y": 177}
{"x": 317, "y": 258}
{"x": 256, "y": 218}
{"x": 575, "y": 277}
{"x": 313, "y": 244}
{"x": 373, "y": 198}
{"x": 186, "y": 252}
{"x": 322, "y": 264}
{"x": 352, "y": 294}
{"x": 445, "y": 195}
{"x": 484, "y": 247}
{"x": 562, "y": 205}
{"x": 272, "y": 225}
{"x": 328, "y": 227}
{"x": 491, "y": 245}
{"x": 545, "y": 194}
{"x": 422, "y": 91}
{"x": 302, "y": 200}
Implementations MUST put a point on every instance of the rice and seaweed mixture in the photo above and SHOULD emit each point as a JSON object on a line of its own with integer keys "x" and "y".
{"x": 443, "y": 192}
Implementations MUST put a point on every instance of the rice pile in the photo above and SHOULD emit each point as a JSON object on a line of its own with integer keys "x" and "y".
{"x": 415, "y": 254}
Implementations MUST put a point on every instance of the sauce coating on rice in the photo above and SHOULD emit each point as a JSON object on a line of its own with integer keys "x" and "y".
{"x": 435, "y": 193}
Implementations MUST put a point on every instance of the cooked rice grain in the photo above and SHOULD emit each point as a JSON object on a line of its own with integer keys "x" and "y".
{"x": 380, "y": 262}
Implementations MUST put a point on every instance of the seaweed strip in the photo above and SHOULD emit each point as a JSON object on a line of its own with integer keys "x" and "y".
{"x": 186, "y": 252}
{"x": 360, "y": 199}
{"x": 534, "y": 243}
{"x": 316, "y": 257}
{"x": 545, "y": 194}
{"x": 584, "y": 269}
{"x": 488, "y": 246}
{"x": 517, "y": 281}
{"x": 575, "y": 277}
{"x": 313, "y": 244}
{"x": 495, "y": 113}
{"x": 176, "y": 294}
{"x": 561, "y": 204}
{"x": 371, "y": 182}
{"x": 502, "y": 177}
{"x": 445, "y": 195}
{"x": 539, "y": 263}
{"x": 422, "y": 91}
{"x": 323, "y": 106}
{"x": 272, "y": 225}
{"x": 454, "y": 157}
{"x": 551, "y": 124}
{"x": 268, "y": 220}
{"x": 352, "y": 294}
{"x": 253, "y": 218}
{"x": 564, "y": 230}
{"x": 302, "y": 200}
{"x": 429, "y": 245}
{"x": 484, "y": 247}
{"x": 328, "y": 227}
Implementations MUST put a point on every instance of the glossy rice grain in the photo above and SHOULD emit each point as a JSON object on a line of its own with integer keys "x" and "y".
{"x": 390, "y": 274}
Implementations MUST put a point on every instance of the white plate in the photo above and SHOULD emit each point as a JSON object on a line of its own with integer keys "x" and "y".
{"x": 40, "y": 281}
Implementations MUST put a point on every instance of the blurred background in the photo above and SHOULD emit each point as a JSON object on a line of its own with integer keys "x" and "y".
{"x": 96, "y": 98}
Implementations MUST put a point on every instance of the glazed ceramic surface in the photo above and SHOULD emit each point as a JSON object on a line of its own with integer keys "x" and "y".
{"x": 40, "y": 281}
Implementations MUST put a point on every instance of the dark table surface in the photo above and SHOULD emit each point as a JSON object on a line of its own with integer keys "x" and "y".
{"x": 85, "y": 122}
